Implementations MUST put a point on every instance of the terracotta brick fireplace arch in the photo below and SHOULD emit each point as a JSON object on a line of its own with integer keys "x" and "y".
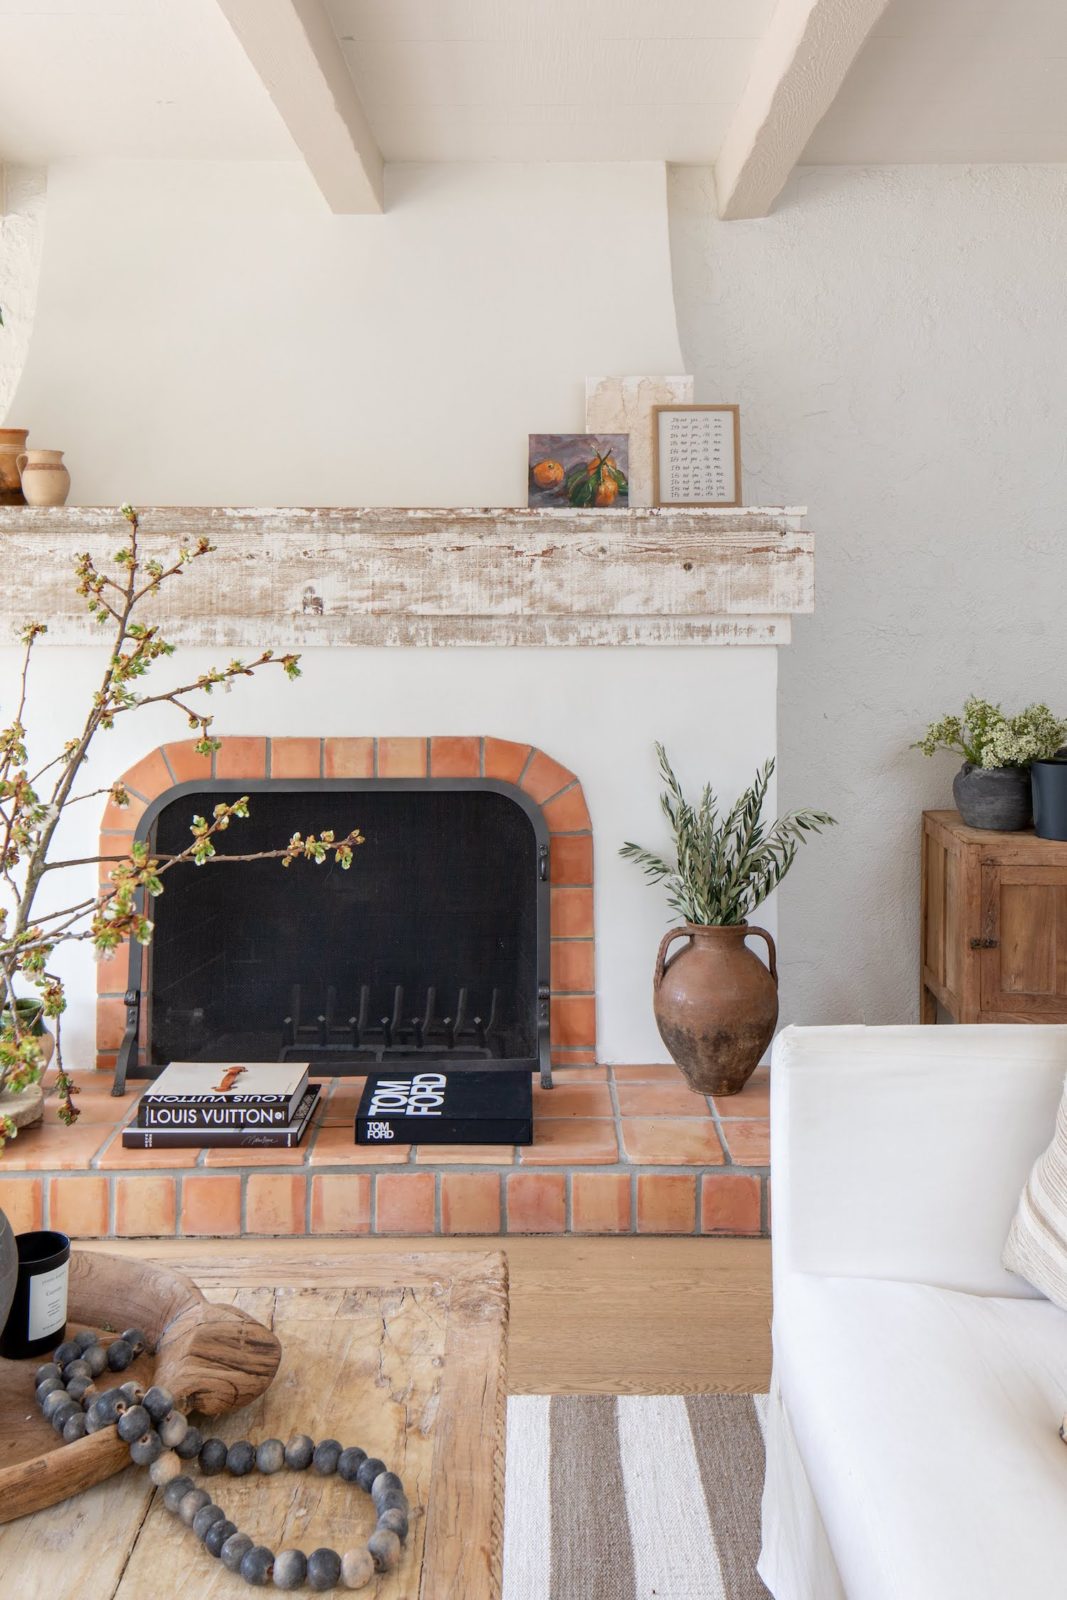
{"x": 551, "y": 786}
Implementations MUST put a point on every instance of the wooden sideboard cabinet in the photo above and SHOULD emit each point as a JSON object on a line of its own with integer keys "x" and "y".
{"x": 994, "y": 924}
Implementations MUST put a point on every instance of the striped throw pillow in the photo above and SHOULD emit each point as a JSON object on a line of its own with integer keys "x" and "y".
{"x": 1037, "y": 1241}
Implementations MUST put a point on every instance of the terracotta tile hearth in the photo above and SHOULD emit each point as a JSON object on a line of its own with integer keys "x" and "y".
{"x": 618, "y": 1150}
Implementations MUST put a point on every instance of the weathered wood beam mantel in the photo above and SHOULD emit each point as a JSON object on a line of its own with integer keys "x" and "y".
{"x": 338, "y": 576}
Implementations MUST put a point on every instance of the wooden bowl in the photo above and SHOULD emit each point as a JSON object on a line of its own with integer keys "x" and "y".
{"x": 212, "y": 1358}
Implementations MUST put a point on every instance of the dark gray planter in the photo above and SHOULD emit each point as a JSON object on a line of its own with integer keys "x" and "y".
{"x": 1049, "y": 779}
{"x": 9, "y": 1268}
{"x": 994, "y": 797}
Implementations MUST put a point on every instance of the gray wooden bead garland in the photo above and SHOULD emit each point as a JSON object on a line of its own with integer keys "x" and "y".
{"x": 160, "y": 1438}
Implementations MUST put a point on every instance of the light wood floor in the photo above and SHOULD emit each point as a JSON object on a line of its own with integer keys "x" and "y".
{"x": 596, "y": 1316}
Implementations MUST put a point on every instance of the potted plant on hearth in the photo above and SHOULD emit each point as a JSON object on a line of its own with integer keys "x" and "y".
{"x": 715, "y": 1002}
{"x": 992, "y": 789}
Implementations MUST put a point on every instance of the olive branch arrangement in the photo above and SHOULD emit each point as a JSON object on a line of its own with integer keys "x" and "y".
{"x": 33, "y": 803}
{"x": 723, "y": 868}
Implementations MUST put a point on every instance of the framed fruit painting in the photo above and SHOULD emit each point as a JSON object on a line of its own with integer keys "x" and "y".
{"x": 579, "y": 471}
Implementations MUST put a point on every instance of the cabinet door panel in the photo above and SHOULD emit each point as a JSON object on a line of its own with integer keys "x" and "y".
{"x": 1025, "y": 920}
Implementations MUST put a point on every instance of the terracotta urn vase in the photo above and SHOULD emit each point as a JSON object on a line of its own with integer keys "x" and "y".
{"x": 45, "y": 480}
{"x": 12, "y": 445}
{"x": 716, "y": 1004}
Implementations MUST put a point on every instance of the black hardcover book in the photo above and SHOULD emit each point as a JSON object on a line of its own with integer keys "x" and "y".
{"x": 446, "y": 1107}
{"x": 227, "y": 1138}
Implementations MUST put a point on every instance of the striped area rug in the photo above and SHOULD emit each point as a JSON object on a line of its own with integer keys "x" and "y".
{"x": 633, "y": 1497}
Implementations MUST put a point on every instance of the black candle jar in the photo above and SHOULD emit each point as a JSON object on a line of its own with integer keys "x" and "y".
{"x": 38, "y": 1317}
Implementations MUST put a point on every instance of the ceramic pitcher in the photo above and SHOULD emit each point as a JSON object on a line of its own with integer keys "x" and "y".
{"x": 12, "y": 444}
{"x": 45, "y": 480}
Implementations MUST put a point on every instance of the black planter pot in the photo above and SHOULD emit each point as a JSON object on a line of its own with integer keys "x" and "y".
{"x": 994, "y": 797}
{"x": 1049, "y": 779}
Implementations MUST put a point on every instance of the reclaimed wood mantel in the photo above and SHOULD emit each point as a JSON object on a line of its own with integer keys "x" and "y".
{"x": 384, "y": 576}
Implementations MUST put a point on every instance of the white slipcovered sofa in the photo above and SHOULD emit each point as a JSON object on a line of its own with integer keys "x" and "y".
{"x": 918, "y": 1387}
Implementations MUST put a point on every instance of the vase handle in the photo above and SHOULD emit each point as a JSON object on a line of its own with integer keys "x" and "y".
{"x": 772, "y": 955}
{"x": 661, "y": 963}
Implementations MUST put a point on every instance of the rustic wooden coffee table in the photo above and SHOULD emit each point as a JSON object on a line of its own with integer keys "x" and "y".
{"x": 401, "y": 1354}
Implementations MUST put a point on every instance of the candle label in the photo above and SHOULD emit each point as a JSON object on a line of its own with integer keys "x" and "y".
{"x": 48, "y": 1302}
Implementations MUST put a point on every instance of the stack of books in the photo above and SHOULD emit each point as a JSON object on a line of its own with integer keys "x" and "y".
{"x": 255, "y": 1104}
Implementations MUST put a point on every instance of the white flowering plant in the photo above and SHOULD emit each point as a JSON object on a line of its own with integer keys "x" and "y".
{"x": 986, "y": 737}
{"x": 34, "y": 798}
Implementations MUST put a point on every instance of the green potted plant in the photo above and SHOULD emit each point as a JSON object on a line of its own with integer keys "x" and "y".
{"x": 992, "y": 789}
{"x": 715, "y": 1002}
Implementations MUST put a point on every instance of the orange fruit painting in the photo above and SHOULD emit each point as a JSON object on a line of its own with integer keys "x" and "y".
{"x": 578, "y": 471}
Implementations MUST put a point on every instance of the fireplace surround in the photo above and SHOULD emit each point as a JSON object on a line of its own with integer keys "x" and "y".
{"x": 457, "y": 934}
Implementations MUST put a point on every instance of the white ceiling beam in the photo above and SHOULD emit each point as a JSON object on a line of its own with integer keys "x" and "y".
{"x": 292, "y": 45}
{"x": 799, "y": 66}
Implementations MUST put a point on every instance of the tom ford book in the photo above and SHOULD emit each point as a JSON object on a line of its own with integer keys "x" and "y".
{"x": 227, "y": 1138}
{"x": 446, "y": 1107}
{"x": 212, "y": 1095}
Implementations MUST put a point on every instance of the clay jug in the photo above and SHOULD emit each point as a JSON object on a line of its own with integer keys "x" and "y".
{"x": 12, "y": 444}
{"x": 45, "y": 480}
{"x": 716, "y": 1005}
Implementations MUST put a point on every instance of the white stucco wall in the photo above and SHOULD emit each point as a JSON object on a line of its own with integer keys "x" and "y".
{"x": 897, "y": 340}
{"x": 242, "y": 346}
{"x": 209, "y": 334}
{"x": 21, "y": 242}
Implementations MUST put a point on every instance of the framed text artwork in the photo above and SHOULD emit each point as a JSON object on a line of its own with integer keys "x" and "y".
{"x": 696, "y": 455}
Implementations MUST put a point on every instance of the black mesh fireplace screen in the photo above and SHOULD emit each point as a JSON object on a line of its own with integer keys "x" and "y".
{"x": 434, "y": 945}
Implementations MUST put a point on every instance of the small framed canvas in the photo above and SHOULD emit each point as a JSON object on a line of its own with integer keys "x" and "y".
{"x": 579, "y": 471}
{"x": 696, "y": 455}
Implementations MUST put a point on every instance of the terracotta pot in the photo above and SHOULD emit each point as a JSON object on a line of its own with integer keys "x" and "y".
{"x": 716, "y": 1005}
{"x": 45, "y": 480}
{"x": 12, "y": 444}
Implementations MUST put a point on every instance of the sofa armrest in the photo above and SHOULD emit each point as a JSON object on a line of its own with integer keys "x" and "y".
{"x": 901, "y": 1152}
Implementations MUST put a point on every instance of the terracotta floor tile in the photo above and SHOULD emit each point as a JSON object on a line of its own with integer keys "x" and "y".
{"x": 566, "y": 1141}
{"x": 465, "y": 1155}
{"x": 671, "y": 1142}
{"x": 562, "y": 1074}
{"x": 470, "y": 1202}
{"x": 117, "y": 1158}
{"x": 729, "y": 1203}
{"x": 404, "y": 1202}
{"x": 753, "y": 1101}
{"x": 749, "y": 1142}
{"x": 537, "y": 1202}
{"x": 275, "y": 1202}
{"x": 145, "y": 1207}
{"x": 340, "y": 1202}
{"x": 662, "y": 1099}
{"x": 335, "y": 1147}
{"x": 573, "y": 1100}
{"x": 666, "y": 1203}
{"x": 22, "y": 1201}
{"x": 343, "y": 1103}
{"x": 78, "y": 1206}
{"x": 647, "y": 1074}
{"x": 211, "y": 1206}
{"x": 53, "y": 1147}
{"x": 600, "y": 1202}
{"x": 94, "y": 1100}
